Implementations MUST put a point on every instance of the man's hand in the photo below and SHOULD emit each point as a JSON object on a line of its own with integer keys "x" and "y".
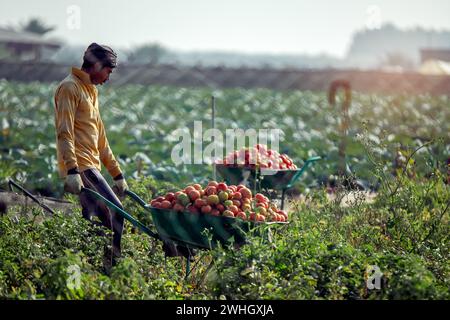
{"x": 73, "y": 183}
{"x": 120, "y": 185}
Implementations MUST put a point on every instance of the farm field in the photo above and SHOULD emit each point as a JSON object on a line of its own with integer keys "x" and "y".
{"x": 323, "y": 253}
{"x": 141, "y": 121}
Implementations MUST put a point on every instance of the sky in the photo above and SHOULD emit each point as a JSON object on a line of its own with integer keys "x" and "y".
{"x": 247, "y": 26}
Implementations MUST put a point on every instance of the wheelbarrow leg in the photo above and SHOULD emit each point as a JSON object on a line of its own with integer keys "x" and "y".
{"x": 283, "y": 193}
{"x": 188, "y": 266}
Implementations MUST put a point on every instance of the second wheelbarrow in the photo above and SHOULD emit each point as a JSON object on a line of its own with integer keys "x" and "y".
{"x": 265, "y": 178}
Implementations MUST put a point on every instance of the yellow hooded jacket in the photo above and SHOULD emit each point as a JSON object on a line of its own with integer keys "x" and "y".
{"x": 80, "y": 135}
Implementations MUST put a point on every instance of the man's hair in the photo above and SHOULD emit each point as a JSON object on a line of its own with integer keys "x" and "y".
{"x": 99, "y": 53}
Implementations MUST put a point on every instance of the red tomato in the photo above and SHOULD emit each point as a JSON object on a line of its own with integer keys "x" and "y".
{"x": 166, "y": 204}
{"x": 237, "y": 196}
{"x": 241, "y": 215}
{"x": 213, "y": 184}
{"x": 210, "y": 190}
{"x": 260, "y": 217}
{"x": 246, "y": 193}
{"x": 206, "y": 209}
{"x": 233, "y": 209}
{"x": 170, "y": 196}
{"x": 189, "y": 189}
{"x": 222, "y": 186}
{"x": 194, "y": 195}
{"x": 260, "y": 197}
{"x": 199, "y": 203}
{"x": 157, "y": 205}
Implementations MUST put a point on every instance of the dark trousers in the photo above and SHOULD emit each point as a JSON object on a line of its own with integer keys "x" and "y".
{"x": 93, "y": 180}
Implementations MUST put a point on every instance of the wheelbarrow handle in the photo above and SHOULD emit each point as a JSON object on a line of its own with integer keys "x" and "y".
{"x": 305, "y": 166}
{"x": 136, "y": 198}
{"x": 122, "y": 212}
{"x": 11, "y": 183}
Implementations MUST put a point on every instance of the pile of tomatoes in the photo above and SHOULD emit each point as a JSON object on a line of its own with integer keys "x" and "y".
{"x": 258, "y": 156}
{"x": 220, "y": 199}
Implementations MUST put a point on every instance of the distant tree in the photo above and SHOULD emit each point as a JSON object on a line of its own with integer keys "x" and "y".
{"x": 35, "y": 25}
{"x": 148, "y": 53}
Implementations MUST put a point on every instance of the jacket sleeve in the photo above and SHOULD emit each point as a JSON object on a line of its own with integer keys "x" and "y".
{"x": 66, "y": 102}
{"x": 106, "y": 155}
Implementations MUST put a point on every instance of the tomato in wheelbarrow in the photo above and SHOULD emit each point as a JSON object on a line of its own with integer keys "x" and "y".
{"x": 220, "y": 199}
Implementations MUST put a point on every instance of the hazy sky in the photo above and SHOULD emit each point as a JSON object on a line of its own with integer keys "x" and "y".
{"x": 269, "y": 26}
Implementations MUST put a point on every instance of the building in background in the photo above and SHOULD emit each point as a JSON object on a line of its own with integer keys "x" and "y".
{"x": 435, "y": 61}
{"x": 25, "y": 46}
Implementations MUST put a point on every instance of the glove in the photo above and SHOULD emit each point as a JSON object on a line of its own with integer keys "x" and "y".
{"x": 121, "y": 186}
{"x": 73, "y": 183}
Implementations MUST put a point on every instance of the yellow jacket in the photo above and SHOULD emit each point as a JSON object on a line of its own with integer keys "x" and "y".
{"x": 80, "y": 135}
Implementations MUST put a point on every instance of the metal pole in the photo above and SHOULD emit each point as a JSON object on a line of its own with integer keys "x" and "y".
{"x": 213, "y": 125}
{"x": 345, "y": 119}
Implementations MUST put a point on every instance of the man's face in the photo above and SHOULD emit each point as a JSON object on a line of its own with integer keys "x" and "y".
{"x": 99, "y": 74}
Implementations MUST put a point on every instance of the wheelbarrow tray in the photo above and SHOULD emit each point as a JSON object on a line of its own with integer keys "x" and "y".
{"x": 201, "y": 230}
{"x": 198, "y": 230}
{"x": 268, "y": 179}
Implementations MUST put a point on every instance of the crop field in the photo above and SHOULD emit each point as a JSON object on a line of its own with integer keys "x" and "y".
{"x": 141, "y": 120}
{"x": 323, "y": 253}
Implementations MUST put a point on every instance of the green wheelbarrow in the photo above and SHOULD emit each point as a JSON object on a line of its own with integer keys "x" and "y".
{"x": 265, "y": 178}
{"x": 194, "y": 231}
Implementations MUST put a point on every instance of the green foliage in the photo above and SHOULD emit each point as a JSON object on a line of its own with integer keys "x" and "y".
{"x": 321, "y": 254}
{"x": 325, "y": 255}
{"x": 38, "y": 257}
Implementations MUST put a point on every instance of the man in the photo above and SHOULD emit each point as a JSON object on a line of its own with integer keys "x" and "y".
{"x": 82, "y": 144}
